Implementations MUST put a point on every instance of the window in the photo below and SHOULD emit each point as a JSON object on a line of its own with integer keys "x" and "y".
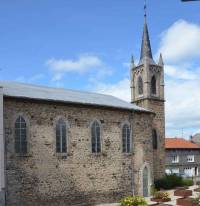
{"x": 175, "y": 170}
{"x": 20, "y": 136}
{"x": 96, "y": 137}
{"x": 175, "y": 159}
{"x": 168, "y": 171}
{"x": 140, "y": 86}
{"x": 126, "y": 139}
{"x": 189, "y": 171}
{"x": 190, "y": 158}
{"x": 153, "y": 85}
{"x": 61, "y": 142}
{"x": 155, "y": 139}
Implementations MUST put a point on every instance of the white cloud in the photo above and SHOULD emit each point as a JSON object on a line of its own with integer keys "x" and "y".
{"x": 180, "y": 72}
{"x": 83, "y": 64}
{"x": 86, "y": 64}
{"x": 57, "y": 76}
{"x": 180, "y": 42}
{"x": 31, "y": 79}
{"x": 121, "y": 89}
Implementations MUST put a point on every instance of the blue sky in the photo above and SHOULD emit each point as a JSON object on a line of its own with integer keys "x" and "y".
{"x": 87, "y": 45}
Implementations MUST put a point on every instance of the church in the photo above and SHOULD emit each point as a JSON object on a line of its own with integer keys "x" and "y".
{"x": 63, "y": 147}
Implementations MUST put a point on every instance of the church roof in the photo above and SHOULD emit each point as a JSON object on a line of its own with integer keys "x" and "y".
{"x": 21, "y": 90}
{"x": 146, "y": 53}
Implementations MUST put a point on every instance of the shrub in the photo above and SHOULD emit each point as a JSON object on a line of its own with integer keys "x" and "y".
{"x": 169, "y": 182}
{"x": 133, "y": 201}
{"x": 188, "y": 182}
{"x": 162, "y": 195}
{"x": 153, "y": 190}
{"x": 196, "y": 200}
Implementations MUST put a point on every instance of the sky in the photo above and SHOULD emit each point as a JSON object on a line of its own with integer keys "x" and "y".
{"x": 87, "y": 45}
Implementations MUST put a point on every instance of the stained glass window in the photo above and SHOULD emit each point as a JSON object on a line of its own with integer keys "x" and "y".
{"x": 126, "y": 139}
{"x": 20, "y": 136}
{"x": 96, "y": 137}
{"x": 140, "y": 86}
{"x": 61, "y": 140}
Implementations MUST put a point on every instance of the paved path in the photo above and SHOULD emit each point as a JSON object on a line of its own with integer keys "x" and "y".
{"x": 171, "y": 192}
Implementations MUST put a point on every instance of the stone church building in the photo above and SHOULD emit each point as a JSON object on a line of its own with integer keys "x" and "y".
{"x": 61, "y": 147}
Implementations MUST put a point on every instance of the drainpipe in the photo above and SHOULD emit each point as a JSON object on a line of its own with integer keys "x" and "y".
{"x": 2, "y": 157}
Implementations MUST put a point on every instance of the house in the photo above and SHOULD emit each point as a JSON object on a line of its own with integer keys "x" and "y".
{"x": 182, "y": 157}
{"x": 66, "y": 147}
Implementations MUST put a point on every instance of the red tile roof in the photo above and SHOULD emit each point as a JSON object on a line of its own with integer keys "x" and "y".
{"x": 179, "y": 143}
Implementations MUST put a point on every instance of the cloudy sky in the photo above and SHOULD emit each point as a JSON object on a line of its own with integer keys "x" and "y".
{"x": 86, "y": 45}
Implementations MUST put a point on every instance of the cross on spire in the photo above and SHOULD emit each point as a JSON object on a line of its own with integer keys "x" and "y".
{"x": 145, "y": 8}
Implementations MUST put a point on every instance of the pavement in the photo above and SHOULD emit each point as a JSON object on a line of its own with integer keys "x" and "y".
{"x": 171, "y": 193}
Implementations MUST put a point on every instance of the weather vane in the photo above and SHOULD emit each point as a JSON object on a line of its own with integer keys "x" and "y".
{"x": 145, "y": 8}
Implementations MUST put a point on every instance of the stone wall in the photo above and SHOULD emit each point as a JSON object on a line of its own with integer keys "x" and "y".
{"x": 80, "y": 178}
{"x": 158, "y": 107}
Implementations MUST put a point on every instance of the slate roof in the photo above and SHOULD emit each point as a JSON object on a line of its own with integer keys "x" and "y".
{"x": 146, "y": 53}
{"x": 179, "y": 143}
{"x": 21, "y": 90}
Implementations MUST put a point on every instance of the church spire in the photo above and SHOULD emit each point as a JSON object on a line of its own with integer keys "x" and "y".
{"x": 160, "y": 62}
{"x": 146, "y": 53}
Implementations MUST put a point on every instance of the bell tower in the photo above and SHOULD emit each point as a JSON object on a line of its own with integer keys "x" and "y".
{"x": 147, "y": 91}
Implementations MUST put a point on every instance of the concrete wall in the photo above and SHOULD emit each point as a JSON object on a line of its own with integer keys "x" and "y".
{"x": 80, "y": 178}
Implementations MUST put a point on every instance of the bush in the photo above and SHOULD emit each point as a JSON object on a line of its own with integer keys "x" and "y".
{"x": 169, "y": 182}
{"x": 153, "y": 190}
{"x": 162, "y": 195}
{"x": 133, "y": 201}
{"x": 188, "y": 182}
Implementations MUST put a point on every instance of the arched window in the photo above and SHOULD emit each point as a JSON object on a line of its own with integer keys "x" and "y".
{"x": 96, "y": 137}
{"x": 20, "y": 136}
{"x": 153, "y": 85}
{"x": 126, "y": 139}
{"x": 154, "y": 139}
{"x": 61, "y": 140}
{"x": 140, "y": 85}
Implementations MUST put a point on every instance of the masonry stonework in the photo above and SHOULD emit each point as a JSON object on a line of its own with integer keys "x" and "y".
{"x": 147, "y": 91}
{"x": 43, "y": 177}
{"x": 159, "y": 123}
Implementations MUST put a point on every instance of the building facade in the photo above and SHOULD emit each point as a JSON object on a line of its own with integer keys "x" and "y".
{"x": 64, "y": 147}
{"x": 182, "y": 157}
